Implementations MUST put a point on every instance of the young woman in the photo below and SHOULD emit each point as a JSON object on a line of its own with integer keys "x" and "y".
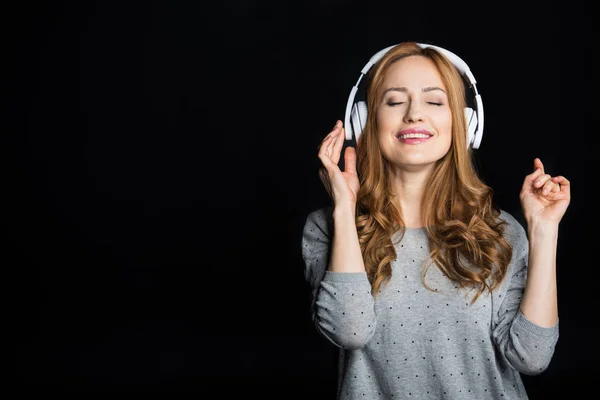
{"x": 426, "y": 287}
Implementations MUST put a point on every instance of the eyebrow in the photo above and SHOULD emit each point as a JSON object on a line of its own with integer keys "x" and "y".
{"x": 404, "y": 90}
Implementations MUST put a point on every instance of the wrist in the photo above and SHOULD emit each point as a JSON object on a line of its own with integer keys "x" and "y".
{"x": 542, "y": 227}
{"x": 344, "y": 210}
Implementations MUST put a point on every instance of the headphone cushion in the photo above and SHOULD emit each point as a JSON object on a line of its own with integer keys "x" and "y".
{"x": 359, "y": 118}
{"x": 471, "y": 119}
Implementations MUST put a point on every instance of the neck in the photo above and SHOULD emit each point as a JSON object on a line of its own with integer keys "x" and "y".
{"x": 409, "y": 189}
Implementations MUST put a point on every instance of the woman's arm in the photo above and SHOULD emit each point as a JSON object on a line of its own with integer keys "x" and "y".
{"x": 342, "y": 305}
{"x": 544, "y": 200}
{"x": 540, "y": 304}
{"x": 346, "y": 255}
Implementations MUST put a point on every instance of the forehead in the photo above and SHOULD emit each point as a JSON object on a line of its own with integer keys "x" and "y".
{"x": 413, "y": 72}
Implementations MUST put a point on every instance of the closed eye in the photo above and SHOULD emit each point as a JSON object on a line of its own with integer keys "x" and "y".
{"x": 392, "y": 104}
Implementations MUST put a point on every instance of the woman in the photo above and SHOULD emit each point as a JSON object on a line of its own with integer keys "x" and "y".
{"x": 426, "y": 287}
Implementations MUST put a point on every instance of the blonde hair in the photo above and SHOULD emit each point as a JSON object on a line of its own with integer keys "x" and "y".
{"x": 461, "y": 220}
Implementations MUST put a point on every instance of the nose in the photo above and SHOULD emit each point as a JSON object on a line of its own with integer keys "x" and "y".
{"x": 413, "y": 113}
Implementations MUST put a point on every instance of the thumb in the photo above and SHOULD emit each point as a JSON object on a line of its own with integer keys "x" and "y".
{"x": 350, "y": 160}
{"x": 537, "y": 163}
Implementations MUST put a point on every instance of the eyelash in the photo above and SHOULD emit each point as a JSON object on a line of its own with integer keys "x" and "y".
{"x": 429, "y": 102}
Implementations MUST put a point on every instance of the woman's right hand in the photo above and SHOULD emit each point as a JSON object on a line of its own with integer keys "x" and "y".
{"x": 341, "y": 186}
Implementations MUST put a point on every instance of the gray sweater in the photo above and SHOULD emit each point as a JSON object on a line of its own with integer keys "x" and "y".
{"x": 414, "y": 343}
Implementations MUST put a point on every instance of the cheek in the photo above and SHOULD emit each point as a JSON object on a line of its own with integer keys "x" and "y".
{"x": 380, "y": 119}
{"x": 387, "y": 120}
{"x": 444, "y": 124}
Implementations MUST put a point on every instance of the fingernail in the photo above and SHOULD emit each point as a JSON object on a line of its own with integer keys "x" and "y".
{"x": 337, "y": 124}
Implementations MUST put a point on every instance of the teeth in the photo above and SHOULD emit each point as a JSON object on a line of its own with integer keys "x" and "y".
{"x": 413, "y": 136}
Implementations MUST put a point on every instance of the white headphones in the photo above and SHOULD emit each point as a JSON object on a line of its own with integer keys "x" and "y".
{"x": 356, "y": 113}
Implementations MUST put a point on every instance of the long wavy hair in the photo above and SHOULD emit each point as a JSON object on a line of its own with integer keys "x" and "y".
{"x": 462, "y": 222}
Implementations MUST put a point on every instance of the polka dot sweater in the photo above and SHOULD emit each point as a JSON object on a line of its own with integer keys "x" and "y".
{"x": 414, "y": 343}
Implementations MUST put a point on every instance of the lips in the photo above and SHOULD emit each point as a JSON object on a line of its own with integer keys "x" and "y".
{"x": 414, "y": 133}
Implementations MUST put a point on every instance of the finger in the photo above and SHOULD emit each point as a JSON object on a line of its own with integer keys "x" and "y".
{"x": 556, "y": 187}
{"x": 550, "y": 187}
{"x": 537, "y": 163}
{"x": 328, "y": 140}
{"x": 335, "y": 128}
{"x": 529, "y": 180}
{"x": 330, "y": 146}
{"x": 541, "y": 180}
{"x": 335, "y": 133}
{"x": 350, "y": 160}
{"x": 565, "y": 186}
{"x": 325, "y": 155}
{"x": 325, "y": 160}
{"x": 338, "y": 144}
{"x": 332, "y": 133}
{"x": 324, "y": 142}
{"x": 324, "y": 146}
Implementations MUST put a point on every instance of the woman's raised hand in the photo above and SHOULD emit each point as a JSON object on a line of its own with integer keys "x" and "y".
{"x": 341, "y": 186}
{"x": 544, "y": 197}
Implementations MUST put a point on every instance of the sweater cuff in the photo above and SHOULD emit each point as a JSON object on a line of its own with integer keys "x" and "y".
{"x": 331, "y": 276}
{"x": 529, "y": 326}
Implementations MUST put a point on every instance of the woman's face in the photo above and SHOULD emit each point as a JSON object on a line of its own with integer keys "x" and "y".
{"x": 413, "y": 117}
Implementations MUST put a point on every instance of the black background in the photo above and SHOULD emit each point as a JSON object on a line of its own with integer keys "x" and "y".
{"x": 161, "y": 160}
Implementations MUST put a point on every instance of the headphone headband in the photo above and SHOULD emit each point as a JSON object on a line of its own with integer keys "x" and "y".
{"x": 459, "y": 64}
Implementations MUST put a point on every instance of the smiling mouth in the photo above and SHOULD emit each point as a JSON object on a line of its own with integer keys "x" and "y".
{"x": 404, "y": 136}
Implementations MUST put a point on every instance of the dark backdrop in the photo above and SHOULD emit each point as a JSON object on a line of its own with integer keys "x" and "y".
{"x": 162, "y": 160}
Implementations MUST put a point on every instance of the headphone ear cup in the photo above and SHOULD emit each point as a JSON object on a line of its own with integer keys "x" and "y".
{"x": 359, "y": 118}
{"x": 471, "y": 120}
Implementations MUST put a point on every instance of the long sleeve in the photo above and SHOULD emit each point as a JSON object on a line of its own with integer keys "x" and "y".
{"x": 342, "y": 305}
{"x": 526, "y": 346}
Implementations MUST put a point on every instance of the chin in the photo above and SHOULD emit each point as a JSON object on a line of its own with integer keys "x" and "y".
{"x": 415, "y": 163}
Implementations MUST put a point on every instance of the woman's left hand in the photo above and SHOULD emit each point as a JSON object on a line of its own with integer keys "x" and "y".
{"x": 544, "y": 197}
